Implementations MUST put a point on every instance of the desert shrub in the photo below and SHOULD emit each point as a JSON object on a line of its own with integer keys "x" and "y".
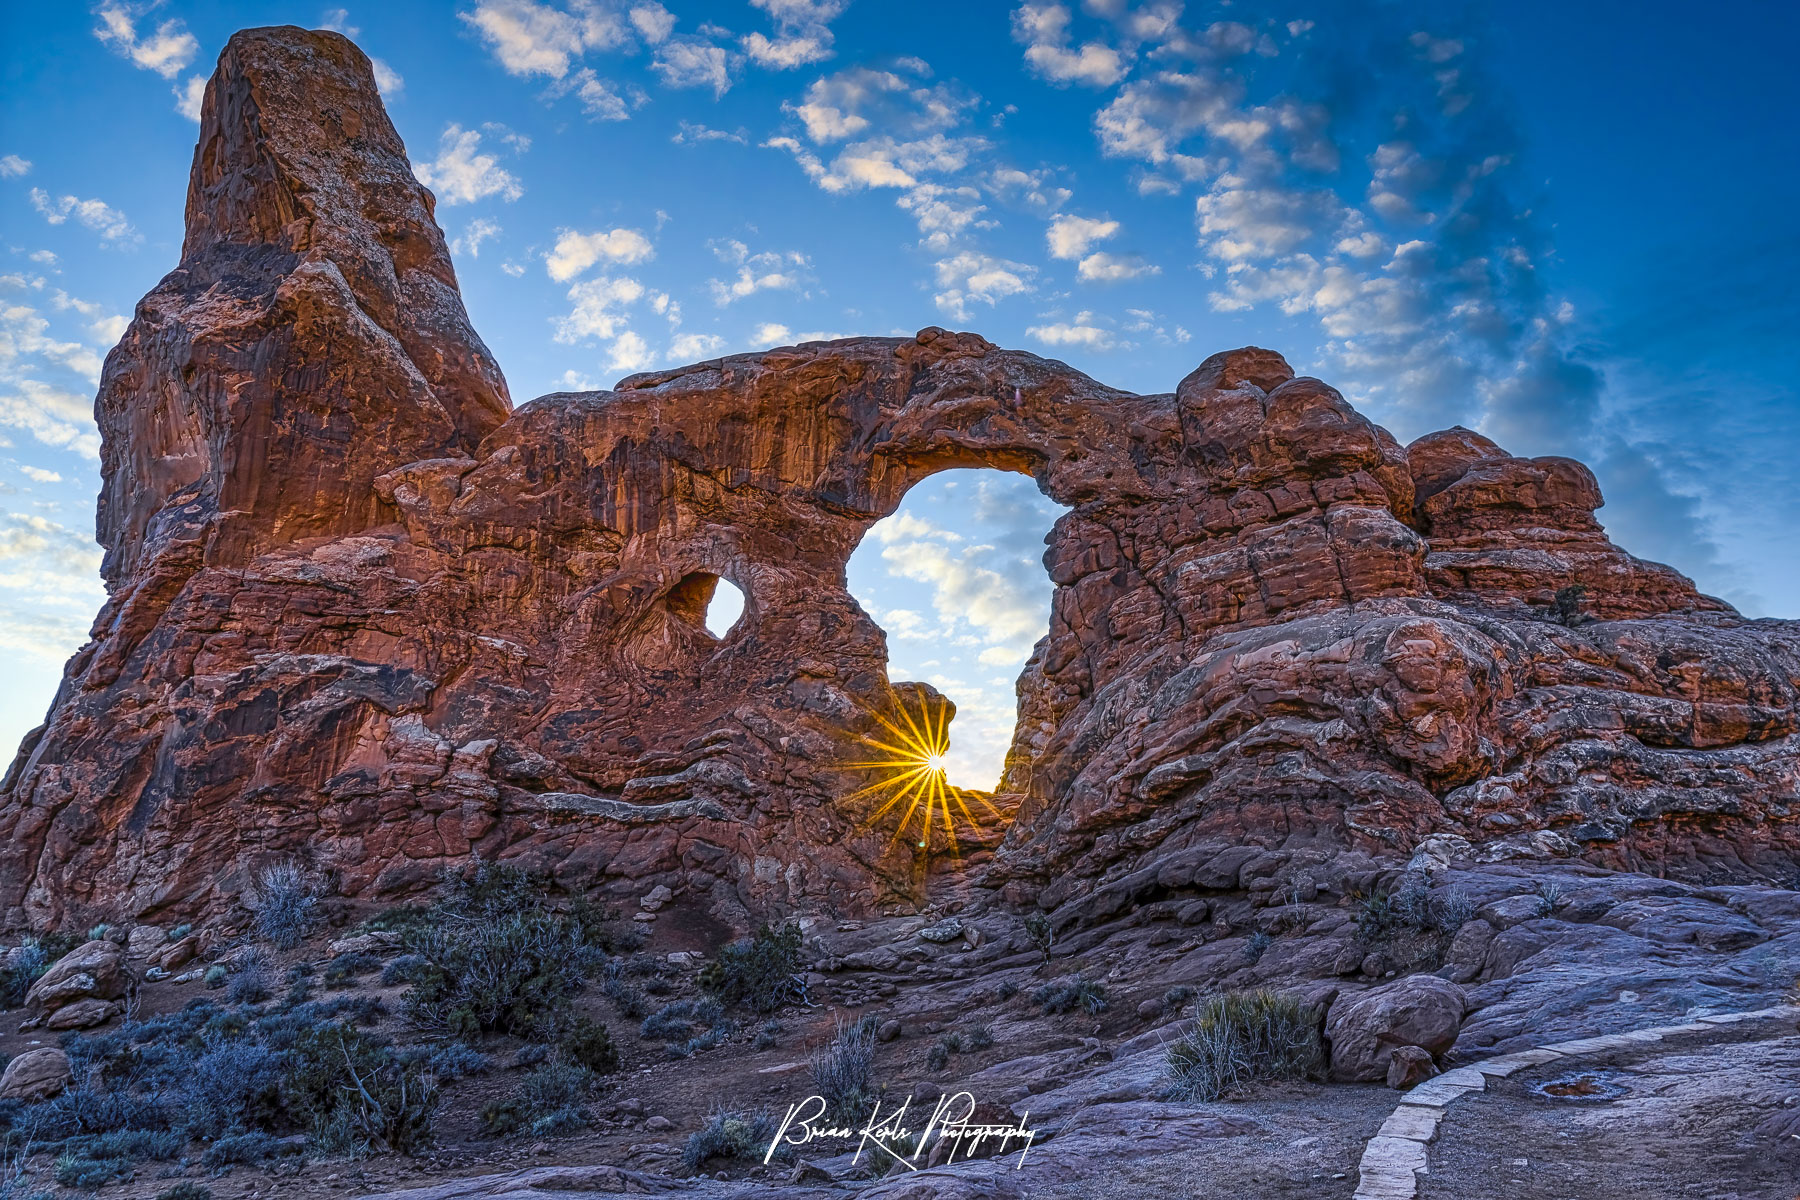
{"x": 456, "y": 1060}
{"x": 938, "y": 1057}
{"x": 1241, "y": 1037}
{"x": 675, "y": 1022}
{"x": 1006, "y": 991}
{"x": 626, "y": 997}
{"x": 89, "y": 1174}
{"x": 345, "y": 968}
{"x": 1256, "y": 945}
{"x": 28, "y": 965}
{"x": 1071, "y": 993}
{"x": 283, "y": 900}
{"x": 768, "y": 1035}
{"x": 843, "y": 1069}
{"x": 1550, "y": 894}
{"x": 696, "y": 1044}
{"x": 979, "y": 1037}
{"x": 1177, "y": 996}
{"x": 507, "y": 973}
{"x": 495, "y": 958}
{"x": 400, "y": 970}
{"x": 251, "y": 983}
{"x": 1413, "y": 925}
{"x": 730, "y": 1135}
{"x": 245, "y": 1150}
{"x": 157, "y": 1145}
{"x": 549, "y": 1101}
{"x": 1565, "y": 606}
{"x": 233, "y": 1086}
{"x": 531, "y": 1054}
{"x": 1041, "y": 934}
{"x": 357, "y": 1094}
{"x": 187, "y": 1189}
{"x": 216, "y": 976}
{"x": 761, "y": 973}
{"x": 586, "y": 1043}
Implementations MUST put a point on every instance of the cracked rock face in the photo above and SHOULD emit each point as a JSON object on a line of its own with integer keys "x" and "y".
{"x": 366, "y": 617}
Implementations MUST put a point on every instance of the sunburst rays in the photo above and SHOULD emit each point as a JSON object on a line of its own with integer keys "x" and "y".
{"x": 912, "y": 789}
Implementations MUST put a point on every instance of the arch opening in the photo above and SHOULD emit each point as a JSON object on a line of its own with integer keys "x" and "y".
{"x": 709, "y": 601}
{"x": 955, "y": 578}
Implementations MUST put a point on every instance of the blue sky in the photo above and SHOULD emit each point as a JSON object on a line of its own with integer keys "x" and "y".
{"x": 1557, "y": 223}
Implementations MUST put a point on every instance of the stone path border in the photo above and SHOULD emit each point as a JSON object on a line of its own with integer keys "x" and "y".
{"x": 1396, "y": 1155}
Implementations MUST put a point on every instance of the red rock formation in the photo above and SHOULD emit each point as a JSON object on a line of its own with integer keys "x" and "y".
{"x": 364, "y": 618}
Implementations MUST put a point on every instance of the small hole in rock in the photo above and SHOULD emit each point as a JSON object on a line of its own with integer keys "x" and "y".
{"x": 726, "y": 606}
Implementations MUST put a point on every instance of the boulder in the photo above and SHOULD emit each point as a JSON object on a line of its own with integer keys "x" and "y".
{"x": 35, "y": 1075}
{"x": 1365, "y": 1029}
{"x": 144, "y": 940}
{"x": 92, "y": 971}
{"x": 83, "y": 1014}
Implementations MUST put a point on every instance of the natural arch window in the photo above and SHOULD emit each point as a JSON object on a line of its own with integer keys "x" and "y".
{"x": 708, "y": 600}
{"x": 956, "y": 579}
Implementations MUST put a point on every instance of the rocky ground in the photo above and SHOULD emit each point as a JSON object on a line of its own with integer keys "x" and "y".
{"x": 1495, "y": 958}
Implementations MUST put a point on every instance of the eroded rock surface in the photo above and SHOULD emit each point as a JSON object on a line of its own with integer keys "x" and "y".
{"x": 365, "y": 617}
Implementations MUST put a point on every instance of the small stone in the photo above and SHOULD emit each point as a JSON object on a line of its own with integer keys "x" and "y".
{"x": 949, "y": 929}
{"x": 659, "y": 1124}
{"x": 655, "y": 898}
{"x": 1409, "y": 1065}
{"x": 887, "y": 1031}
{"x": 643, "y": 916}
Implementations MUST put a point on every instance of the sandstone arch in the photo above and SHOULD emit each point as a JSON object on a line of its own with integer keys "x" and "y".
{"x": 389, "y": 651}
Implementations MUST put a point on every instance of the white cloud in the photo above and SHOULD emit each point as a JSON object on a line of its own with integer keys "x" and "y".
{"x": 691, "y": 132}
{"x": 190, "y": 95}
{"x": 461, "y": 174}
{"x": 1113, "y": 268}
{"x": 541, "y": 39}
{"x": 39, "y": 475}
{"x": 52, "y": 415}
{"x": 601, "y": 99}
{"x": 12, "y": 166}
{"x": 166, "y": 51}
{"x": 576, "y": 252}
{"x": 692, "y": 347}
{"x": 1043, "y": 29}
{"x": 1070, "y": 236}
{"x": 629, "y": 352}
{"x": 654, "y": 22}
{"x": 772, "y": 334}
{"x": 97, "y": 215}
{"x": 478, "y": 231}
{"x": 803, "y": 33}
{"x": 973, "y": 276}
{"x": 387, "y": 80}
{"x": 1082, "y": 332}
{"x": 693, "y": 62}
{"x": 598, "y": 304}
{"x": 338, "y": 21}
{"x": 767, "y": 271}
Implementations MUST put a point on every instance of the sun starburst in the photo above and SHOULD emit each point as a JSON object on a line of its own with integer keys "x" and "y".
{"x": 912, "y": 788}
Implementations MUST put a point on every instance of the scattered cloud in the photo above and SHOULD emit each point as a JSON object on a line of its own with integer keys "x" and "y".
{"x": 476, "y": 232}
{"x": 772, "y": 334}
{"x": 802, "y": 33}
{"x": 763, "y": 272}
{"x": 40, "y": 475}
{"x": 97, "y": 215}
{"x": 165, "y": 51}
{"x": 690, "y": 133}
{"x": 629, "y": 352}
{"x": 1043, "y": 29}
{"x": 971, "y": 276}
{"x": 1070, "y": 236}
{"x": 691, "y": 62}
{"x": 1081, "y": 332}
{"x": 576, "y": 252}
{"x": 12, "y": 166}
{"x": 693, "y": 347}
{"x": 190, "y": 96}
{"x": 599, "y": 305}
{"x": 461, "y": 174}
{"x": 542, "y": 39}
